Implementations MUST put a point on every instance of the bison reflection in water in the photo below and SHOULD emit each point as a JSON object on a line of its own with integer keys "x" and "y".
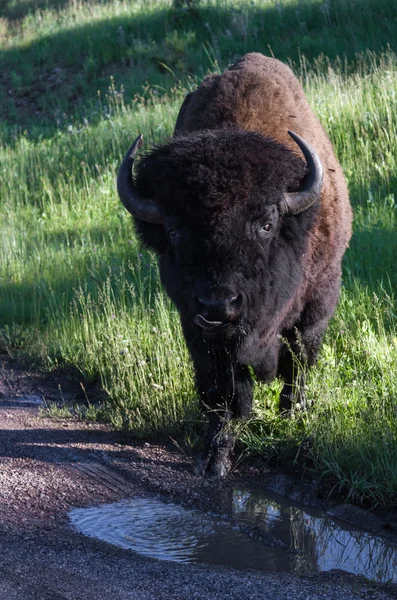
{"x": 248, "y": 211}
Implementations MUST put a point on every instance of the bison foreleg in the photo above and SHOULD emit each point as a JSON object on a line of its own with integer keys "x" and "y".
{"x": 224, "y": 396}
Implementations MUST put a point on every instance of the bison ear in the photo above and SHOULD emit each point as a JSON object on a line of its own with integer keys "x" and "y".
{"x": 179, "y": 126}
{"x": 310, "y": 190}
{"x": 152, "y": 236}
{"x": 141, "y": 208}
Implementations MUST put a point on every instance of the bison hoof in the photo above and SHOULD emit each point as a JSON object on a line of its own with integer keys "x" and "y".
{"x": 202, "y": 463}
{"x": 214, "y": 464}
{"x": 220, "y": 464}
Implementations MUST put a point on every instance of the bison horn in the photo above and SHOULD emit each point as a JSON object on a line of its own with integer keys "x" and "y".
{"x": 296, "y": 202}
{"x": 141, "y": 208}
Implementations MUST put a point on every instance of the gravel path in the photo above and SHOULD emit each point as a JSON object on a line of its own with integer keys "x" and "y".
{"x": 48, "y": 467}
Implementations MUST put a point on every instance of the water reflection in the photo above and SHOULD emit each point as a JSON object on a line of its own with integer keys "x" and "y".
{"x": 169, "y": 532}
{"x": 322, "y": 543}
{"x": 266, "y": 532}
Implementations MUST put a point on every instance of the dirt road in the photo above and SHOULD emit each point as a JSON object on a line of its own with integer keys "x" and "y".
{"x": 48, "y": 467}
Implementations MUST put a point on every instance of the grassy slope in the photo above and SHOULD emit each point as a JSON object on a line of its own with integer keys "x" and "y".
{"x": 77, "y": 82}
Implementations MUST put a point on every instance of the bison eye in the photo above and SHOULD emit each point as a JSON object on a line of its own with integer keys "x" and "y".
{"x": 267, "y": 227}
{"x": 172, "y": 234}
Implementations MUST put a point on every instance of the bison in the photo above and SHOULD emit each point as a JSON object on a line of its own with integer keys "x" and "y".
{"x": 248, "y": 210}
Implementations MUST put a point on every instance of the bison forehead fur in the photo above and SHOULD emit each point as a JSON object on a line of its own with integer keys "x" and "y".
{"x": 218, "y": 170}
{"x": 250, "y": 224}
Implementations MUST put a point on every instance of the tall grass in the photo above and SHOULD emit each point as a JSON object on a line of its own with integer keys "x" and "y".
{"x": 77, "y": 292}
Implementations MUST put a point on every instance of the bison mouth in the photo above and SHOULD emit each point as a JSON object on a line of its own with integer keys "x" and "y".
{"x": 211, "y": 326}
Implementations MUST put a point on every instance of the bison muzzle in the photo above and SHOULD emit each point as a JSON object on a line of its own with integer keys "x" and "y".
{"x": 248, "y": 210}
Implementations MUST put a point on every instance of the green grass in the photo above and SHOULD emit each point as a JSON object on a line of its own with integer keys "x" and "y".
{"x": 78, "y": 81}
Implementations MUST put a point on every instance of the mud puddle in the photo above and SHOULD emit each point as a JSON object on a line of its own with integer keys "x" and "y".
{"x": 263, "y": 531}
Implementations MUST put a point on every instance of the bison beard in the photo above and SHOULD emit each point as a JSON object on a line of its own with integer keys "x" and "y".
{"x": 250, "y": 221}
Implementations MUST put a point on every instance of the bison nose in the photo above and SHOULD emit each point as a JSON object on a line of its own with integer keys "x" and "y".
{"x": 226, "y": 309}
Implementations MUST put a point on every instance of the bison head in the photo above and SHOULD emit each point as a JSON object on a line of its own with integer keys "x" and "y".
{"x": 227, "y": 212}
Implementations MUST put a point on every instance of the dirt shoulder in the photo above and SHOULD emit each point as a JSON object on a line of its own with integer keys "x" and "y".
{"x": 49, "y": 466}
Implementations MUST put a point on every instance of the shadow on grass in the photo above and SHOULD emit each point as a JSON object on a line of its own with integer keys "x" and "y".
{"x": 127, "y": 277}
{"x": 371, "y": 257}
{"x": 61, "y": 73}
{"x": 14, "y": 11}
